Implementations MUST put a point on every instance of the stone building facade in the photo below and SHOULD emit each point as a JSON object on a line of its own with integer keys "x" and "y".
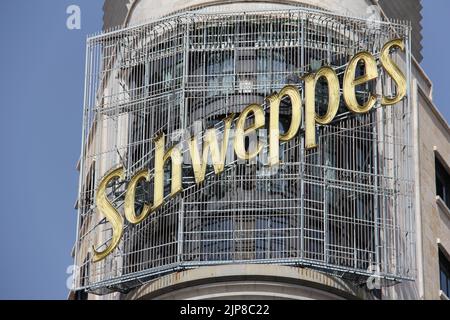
{"x": 429, "y": 233}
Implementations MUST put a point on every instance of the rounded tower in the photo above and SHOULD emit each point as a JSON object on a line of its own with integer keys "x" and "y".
{"x": 326, "y": 222}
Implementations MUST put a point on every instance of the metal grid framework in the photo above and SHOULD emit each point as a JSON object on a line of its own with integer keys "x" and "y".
{"x": 345, "y": 208}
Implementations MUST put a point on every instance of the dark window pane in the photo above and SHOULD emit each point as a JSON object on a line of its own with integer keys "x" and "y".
{"x": 442, "y": 182}
{"x": 447, "y": 290}
{"x": 439, "y": 188}
{"x": 444, "y": 266}
{"x": 444, "y": 279}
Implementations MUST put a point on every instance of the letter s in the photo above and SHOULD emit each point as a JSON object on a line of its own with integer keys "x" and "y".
{"x": 393, "y": 71}
{"x": 105, "y": 208}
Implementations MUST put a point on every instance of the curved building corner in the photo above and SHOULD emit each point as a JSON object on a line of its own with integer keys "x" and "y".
{"x": 341, "y": 221}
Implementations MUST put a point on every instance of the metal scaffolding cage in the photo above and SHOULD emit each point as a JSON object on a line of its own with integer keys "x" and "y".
{"x": 346, "y": 207}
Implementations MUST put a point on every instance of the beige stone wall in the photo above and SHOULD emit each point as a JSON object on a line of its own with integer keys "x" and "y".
{"x": 434, "y": 137}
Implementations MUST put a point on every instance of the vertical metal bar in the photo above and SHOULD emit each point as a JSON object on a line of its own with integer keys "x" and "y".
{"x": 82, "y": 152}
{"x": 184, "y": 126}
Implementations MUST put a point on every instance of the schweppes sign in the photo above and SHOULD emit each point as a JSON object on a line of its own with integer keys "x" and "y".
{"x": 251, "y": 119}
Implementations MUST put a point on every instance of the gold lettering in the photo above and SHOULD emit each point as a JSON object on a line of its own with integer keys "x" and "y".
{"x": 274, "y": 131}
{"x": 310, "y": 106}
{"x": 130, "y": 198}
{"x": 161, "y": 158}
{"x": 253, "y": 114}
{"x": 351, "y": 82}
{"x": 210, "y": 143}
{"x": 393, "y": 71}
{"x": 106, "y": 209}
{"x": 242, "y": 131}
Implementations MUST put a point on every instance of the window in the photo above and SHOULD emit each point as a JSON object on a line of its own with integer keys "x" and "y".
{"x": 442, "y": 182}
{"x": 272, "y": 236}
{"x": 217, "y": 238}
{"x": 81, "y": 295}
{"x": 220, "y": 73}
{"x": 444, "y": 269}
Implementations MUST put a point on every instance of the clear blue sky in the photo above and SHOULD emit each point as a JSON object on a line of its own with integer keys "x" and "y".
{"x": 41, "y": 83}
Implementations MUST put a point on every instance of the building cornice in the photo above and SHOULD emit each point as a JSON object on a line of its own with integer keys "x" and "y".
{"x": 227, "y": 274}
